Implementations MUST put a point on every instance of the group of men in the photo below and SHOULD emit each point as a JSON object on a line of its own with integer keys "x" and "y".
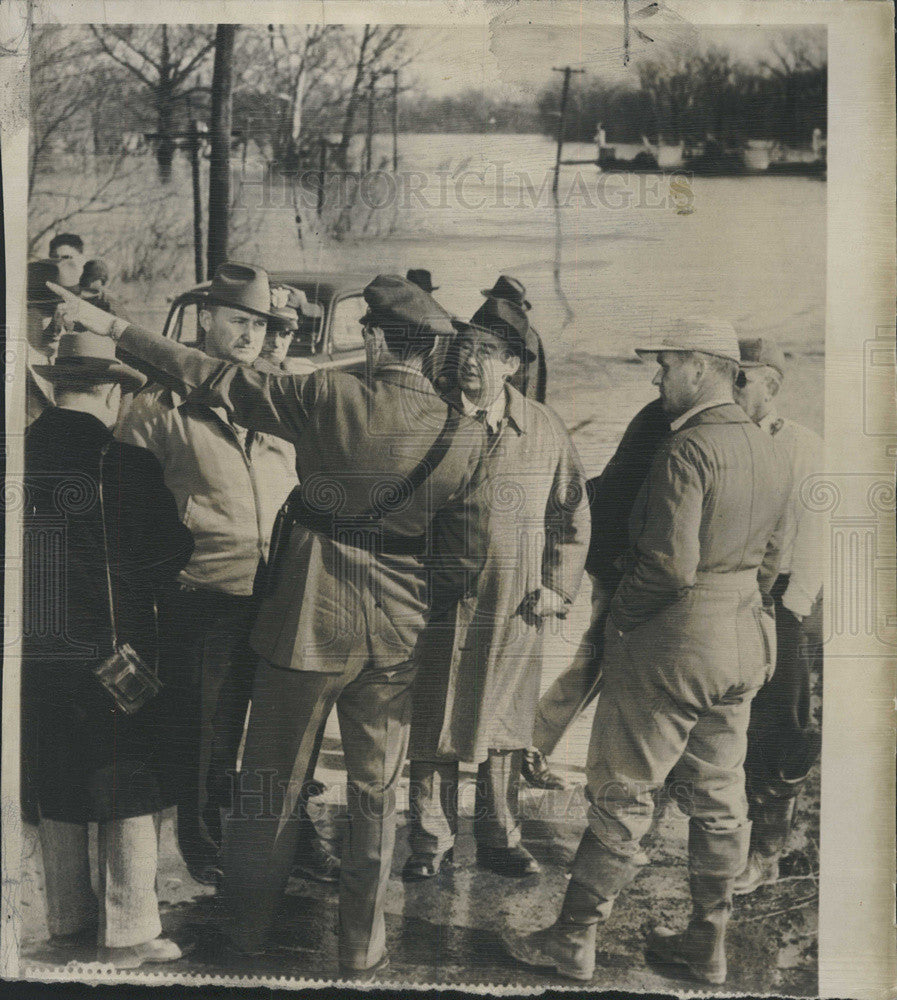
{"x": 441, "y": 517}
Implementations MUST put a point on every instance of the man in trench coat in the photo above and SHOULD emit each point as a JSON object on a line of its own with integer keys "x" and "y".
{"x": 379, "y": 461}
{"x": 481, "y": 654}
{"x": 688, "y": 645}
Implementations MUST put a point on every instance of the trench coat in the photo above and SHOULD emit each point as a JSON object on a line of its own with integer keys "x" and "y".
{"x": 480, "y": 662}
{"x": 334, "y": 594}
{"x": 84, "y": 760}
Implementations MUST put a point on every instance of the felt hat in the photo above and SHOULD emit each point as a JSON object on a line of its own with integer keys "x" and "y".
{"x": 507, "y": 321}
{"x": 422, "y": 278}
{"x": 241, "y": 286}
{"x": 39, "y": 273}
{"x": 762, "y": 352}
{"x": 83, "y": 356}
{"x": 700, "y": 334}
{"x": 510, "y": 289}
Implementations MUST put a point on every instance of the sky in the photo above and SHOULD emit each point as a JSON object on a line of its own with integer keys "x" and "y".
{"x": 516, "y": 62}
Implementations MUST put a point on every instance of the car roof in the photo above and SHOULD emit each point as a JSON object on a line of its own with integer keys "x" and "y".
{"x": 320, "y": 286}
{"x": 324, "y": 285}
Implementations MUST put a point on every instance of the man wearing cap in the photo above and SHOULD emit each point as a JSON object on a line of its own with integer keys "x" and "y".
{"x": 379, "y": 461}
{"x": 783, "y": 742}
{"x": 289, "y": 305}
{"x": 45, "y": 325}
{"x": 481, "y": 655}
{"x": 531, "y": 378}
{"x": 688, "y": 644}
{"x": 229, "y": 483}
{"x": 103, "y": 509}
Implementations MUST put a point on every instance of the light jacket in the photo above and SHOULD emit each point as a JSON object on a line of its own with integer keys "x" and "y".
{"x": 228, "y": 483}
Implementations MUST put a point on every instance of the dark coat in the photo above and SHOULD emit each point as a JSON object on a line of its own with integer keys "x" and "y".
{"x": 612, "y": 494}
{"x": 84, "y": 759}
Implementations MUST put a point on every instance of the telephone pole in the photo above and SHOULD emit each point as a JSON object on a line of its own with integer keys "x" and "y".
{"x": 565, "y": 93}
{"x": 395, "y": 120}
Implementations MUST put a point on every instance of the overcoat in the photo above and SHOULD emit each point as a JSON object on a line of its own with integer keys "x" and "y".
{"x": 480, "y": 660}
{"x": 84, "y": 759}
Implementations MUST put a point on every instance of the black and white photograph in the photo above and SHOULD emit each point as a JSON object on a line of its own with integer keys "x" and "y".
{"x": 450, "y": 496}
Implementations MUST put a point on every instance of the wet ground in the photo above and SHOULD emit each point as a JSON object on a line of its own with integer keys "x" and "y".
{"x": 447, "y": 930}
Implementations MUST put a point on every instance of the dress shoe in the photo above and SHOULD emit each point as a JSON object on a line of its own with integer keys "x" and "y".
{"x": 759, "y": 871}
{"x": 206, "y": 874}
{"x": 364, "y": 975}
{"x": 512, "y": 862}
{"x": 536, "y": 772}
{"x": 423, "y": 866}
{"x": 569, "y": 949}
{"x": 158, "y": 950}
{"x": 315, "y": 862}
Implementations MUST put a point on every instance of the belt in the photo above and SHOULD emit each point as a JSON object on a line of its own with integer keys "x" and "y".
{"x": 745, "y": 579}
{"x": 359, "y": 531}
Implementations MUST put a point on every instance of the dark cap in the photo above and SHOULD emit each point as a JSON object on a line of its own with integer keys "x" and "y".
{"x": 761, "y": 352}
{"x": 422, "y": 278}
{"x": 94, "y": 270}
{"x": 395, "y": 302}
{"x": 39, "y": 273}
{"x": 509, "y": 289}
{"x": 508, "y": 322}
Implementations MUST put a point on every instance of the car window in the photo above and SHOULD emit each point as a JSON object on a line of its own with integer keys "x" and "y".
{"x": 346, "y": 328}
{"x": 185, "y": 328}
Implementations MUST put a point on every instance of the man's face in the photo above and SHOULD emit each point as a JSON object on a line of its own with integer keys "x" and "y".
{"x": 677, "y": 381}
{"x": 276, "y": 345}
{"x": 752, "y": 392}
{"x": 233, "y": 334}
{"x": 71, "y": 264}
{"x": 484, "y": 365}
{"x": 45, "y": 327}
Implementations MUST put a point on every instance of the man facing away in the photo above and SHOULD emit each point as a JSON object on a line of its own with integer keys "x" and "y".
{"x": 229, "y": 482}
{"x": 379, "y": 460}
{"x": 688, "y": 645}
{"x": 481, "y": 654}
{"x": 783, "y": 742}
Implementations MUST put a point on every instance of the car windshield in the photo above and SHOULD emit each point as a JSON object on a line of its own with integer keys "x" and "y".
{"x": 307, "y": 337}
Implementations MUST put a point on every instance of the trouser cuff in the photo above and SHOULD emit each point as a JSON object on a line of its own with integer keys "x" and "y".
{"x": 722, "y": 853}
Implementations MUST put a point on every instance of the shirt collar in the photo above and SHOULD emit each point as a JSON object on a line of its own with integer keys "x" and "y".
{"x": 496, "y": 411}
{"x": 679, "y": 422}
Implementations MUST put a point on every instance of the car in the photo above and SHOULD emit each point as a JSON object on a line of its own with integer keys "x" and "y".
{"x": 333, "y": 340}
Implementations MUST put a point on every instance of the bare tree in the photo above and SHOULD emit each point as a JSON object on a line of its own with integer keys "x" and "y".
{"x": 166, "y": 60}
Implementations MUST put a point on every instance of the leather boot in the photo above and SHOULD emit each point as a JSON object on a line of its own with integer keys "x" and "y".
{"x": 772, "y": 822}
{"x": 701, "y": 948}
{"x": 568, "y": 946}
{"x": 714, "y": 859}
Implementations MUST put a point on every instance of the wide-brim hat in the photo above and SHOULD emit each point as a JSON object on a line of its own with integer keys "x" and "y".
{"x": 241, "y": 286}
{"x": 84, "y": 356}
{"x": 422, "y": 278}
{"x": 508, "y": 322}
{"x": 39, "y": 273}
{"x": 509, "y": 289}
{"x": 697, "y": 334}
{"x": 396, "y": 302}
{"x": 761, "y": 352}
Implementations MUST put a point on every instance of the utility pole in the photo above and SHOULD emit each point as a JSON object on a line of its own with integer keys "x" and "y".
{"x": 395, "y": 120}
{"x": 193, "y": 139}
{"x": 220, "y": 136}
{"x": 565, "y": 92}
{"x": 369, "y": 142}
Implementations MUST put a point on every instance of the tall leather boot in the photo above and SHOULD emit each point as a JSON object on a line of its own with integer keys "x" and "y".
{"x": 773, "y": 817}
{"x": 714, "y": 860}
{"x": 568, "y": 945}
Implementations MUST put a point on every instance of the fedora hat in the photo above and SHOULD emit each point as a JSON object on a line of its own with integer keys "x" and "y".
{"x": 762, "y": 352}
{"x": 509, "y": 289}
{"x": 422, "y": 278}
{"x": 699, "y": 334}
{"x": 508, "y": 322}
{"x": 241, "y": 286}
{"x": 39, "y": 273}
{"x": 397, "y": 302}
{"x": 88, "y": 357}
